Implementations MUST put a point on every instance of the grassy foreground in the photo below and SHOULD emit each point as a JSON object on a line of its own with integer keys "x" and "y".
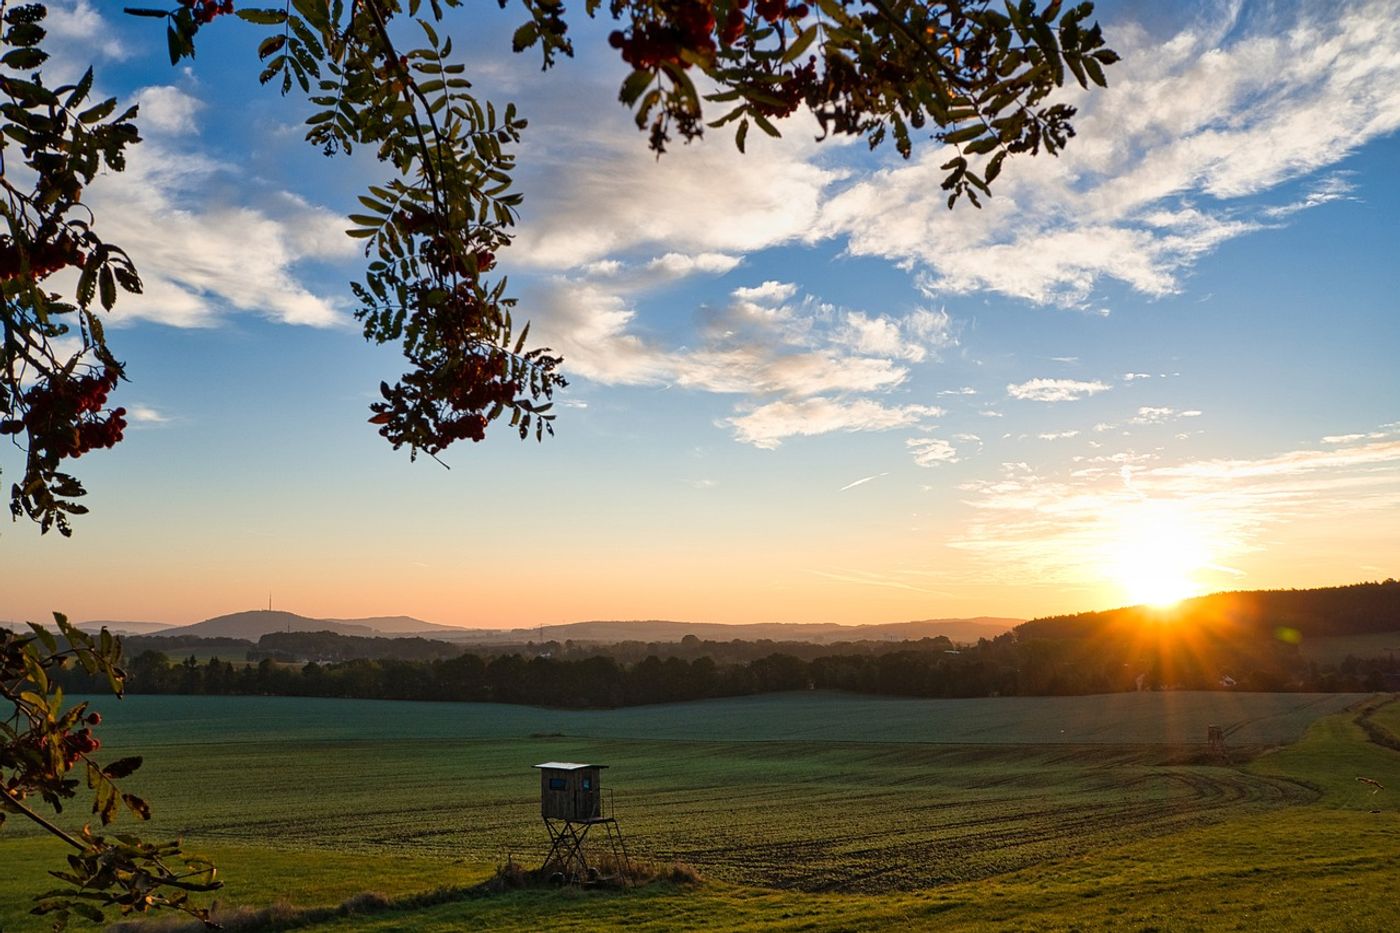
{"x": 1230, "y": 849}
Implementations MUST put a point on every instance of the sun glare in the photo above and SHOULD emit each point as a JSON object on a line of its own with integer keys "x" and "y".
{"x": 1157, "y": 553}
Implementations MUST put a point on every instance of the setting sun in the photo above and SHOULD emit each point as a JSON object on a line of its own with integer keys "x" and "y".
{"x": 1157, "y": 552}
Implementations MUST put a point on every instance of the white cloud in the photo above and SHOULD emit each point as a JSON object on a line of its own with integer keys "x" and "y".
{"x": 76, "y": 31}
{"x": 145, "y": 414}
{"x": 167, "y": 109}
{"x": 965, "y": 390}
{"x": 600, "y": 192}
{"x": 931, "y": 451}
{"x": 767, "y": 426}
{"x": 1133, "y": 377}
{"x": 679, "y": 265}
{"x": 1055, "y": 390}
{"x": 801, "y": 364}
{"x": 1057, "y": 435}
{"x": 1228, "y": 108}
{"x": 768, "y": 292}
{"x": 909, "y": 339}
{"x": 198, "y": 256}
{"x": 1333, "y": 187}
{"x": 1159, "y": 414}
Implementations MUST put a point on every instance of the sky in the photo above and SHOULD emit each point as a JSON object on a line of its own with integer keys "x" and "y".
{"x": 801, "y": 389}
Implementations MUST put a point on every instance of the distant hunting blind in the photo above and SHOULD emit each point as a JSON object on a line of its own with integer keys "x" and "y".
{"x": 1215, "y": 738}
{"x": 571, "y": 803}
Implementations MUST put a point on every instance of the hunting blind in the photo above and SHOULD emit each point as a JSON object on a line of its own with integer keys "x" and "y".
{"x": 571, "y": 803}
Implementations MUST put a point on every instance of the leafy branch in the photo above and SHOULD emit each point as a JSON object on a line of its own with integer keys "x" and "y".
{"x": 43, "y": 745}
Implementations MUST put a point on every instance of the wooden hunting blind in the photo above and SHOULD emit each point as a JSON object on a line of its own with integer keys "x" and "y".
{"x": 570, "y": 791}
{"x": 571, "y": 803}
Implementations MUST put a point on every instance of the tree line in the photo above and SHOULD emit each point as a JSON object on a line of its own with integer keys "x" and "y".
{"x": 1005, "y": 666}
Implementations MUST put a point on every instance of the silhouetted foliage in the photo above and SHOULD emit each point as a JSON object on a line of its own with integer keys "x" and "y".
{"x": 46, "y": 751}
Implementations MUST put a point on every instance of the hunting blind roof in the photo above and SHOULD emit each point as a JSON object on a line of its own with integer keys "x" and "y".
{"x": 566, "y": 766}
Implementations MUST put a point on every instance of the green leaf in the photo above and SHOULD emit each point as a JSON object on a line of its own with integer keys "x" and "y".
{"x": 122, "y": 767}
{"x": 634, "y": 85}
{"x": 526, "y": 36}
{"x": 963, "y": 135}
{"x": 800, "y": 44}
{"x": 99, "y": 112}
{"x": 107, "y": 288}
{"x": 137, "y": 806}
{"x": 263, "y": 17}
{"x": 271, "y": 45}
{"x": 24, "y": 58}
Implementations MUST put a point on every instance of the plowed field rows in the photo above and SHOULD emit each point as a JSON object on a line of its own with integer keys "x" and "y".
{"x": 893, "y": 795}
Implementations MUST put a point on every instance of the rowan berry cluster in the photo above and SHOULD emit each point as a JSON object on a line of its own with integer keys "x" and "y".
{"x": 66, "y": 416}
{"x": 790, "y": 91}
{"x": 77, "y": 744}
{"x": 204, "y": 11}
{"x": 45, "y": 257}
{"x": 774, "y": 10}
{"x": 690, "y": 26}
{"x": 436, "y": 405}
{"x": 685, "y": 25}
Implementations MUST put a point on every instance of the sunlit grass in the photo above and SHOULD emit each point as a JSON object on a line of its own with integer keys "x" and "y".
{"x": 405, "y": 826}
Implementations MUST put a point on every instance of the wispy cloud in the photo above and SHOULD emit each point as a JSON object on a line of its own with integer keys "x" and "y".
{"x": 145, "y": 414}
{"x": 77, "y": 31}
{"x": 931, "y": 451}
{"x": 1159, "y": 414}
{"x": 861, "y": 482}
{"x": 1065, "y": 526}
{"x": 804, "y": 366}
{"x": 767, "y": 426}
{"x": 1055, "y": 390}
{"x": 1169, "y": 163}
{"x": 867, "y": 578}
{"x": 199, "y": 258}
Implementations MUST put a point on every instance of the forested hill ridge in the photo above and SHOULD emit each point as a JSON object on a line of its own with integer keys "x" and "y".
{"x": 1357, "y": 609}
{"x": 815, "y": 633}
{"x": 254, "y": 624}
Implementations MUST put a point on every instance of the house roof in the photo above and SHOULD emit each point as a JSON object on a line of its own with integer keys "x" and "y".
{"x": 566, "y": 766}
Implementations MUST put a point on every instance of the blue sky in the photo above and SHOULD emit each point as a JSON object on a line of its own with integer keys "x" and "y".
{"x": 801, "y": 388}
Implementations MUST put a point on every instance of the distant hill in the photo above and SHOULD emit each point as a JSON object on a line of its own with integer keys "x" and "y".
{"x": 125, "y": 628}
{"x": 611, "y": 632}
{"x": 97, "y": 625}
{"x": 1326, "y": 612}
{"x": 256, "y": 623}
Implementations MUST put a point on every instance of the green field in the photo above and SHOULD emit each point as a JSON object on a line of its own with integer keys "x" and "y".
{"x": 1334, "y": 649}
{"x": 843, "y": 812}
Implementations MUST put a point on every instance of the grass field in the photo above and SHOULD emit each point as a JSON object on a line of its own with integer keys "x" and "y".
{"x": 802, "y": 804}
